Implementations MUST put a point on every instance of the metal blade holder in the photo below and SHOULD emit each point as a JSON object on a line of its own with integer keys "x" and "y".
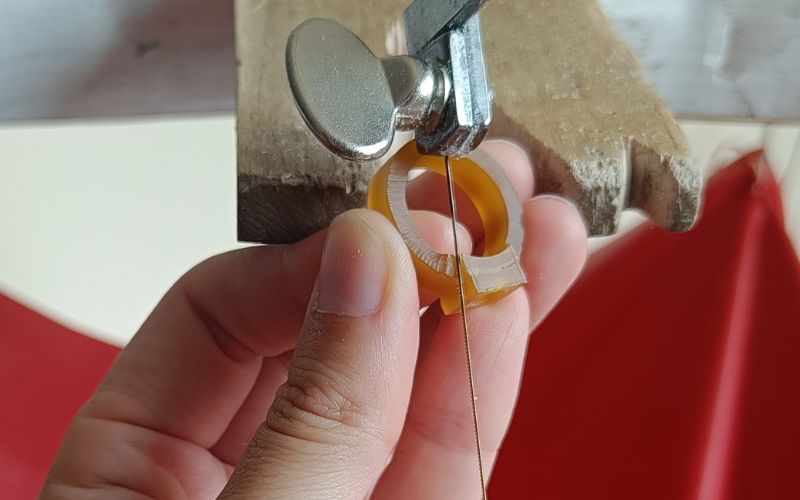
{"x": 354, "y": 102}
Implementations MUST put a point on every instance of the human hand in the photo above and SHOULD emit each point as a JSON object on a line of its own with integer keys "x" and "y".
{"x": 361, "y": 396}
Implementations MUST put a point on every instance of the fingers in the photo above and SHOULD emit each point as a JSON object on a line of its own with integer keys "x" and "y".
{"x": 333, "y": 424}
{"x": 207, "y": 336}
{"x": 515, "y": 162}
{"x": 434, "y": 228}
{"x": 436, "y": 456}
{"x": 437, "y": 230}
{"x": 196, "y": 358}
{"x": 553, "y": 254}
{"x": 429, "y": 191}
{"x": 232, "y": 444}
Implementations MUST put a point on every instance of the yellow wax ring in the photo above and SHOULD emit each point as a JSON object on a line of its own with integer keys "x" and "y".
{"x": 486, "y": 278}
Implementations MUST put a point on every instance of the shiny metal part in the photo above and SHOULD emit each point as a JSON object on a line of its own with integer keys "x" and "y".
{"x": 451, "y": 191}
{"x": 341, "y": 90}
{"x": 419, "y": 91}
{"x": 468, "y": 113}
{"x": 354, "y": 102}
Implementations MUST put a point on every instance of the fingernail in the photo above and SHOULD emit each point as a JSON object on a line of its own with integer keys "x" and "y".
{"x": 353, "y": 272}
{"x": 561, "y": 199}
{"x": 565, "y": 201}
{"x": 509, "y": 142}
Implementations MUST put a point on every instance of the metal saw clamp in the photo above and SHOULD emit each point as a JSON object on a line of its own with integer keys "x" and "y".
{"x": 354, "y": 102}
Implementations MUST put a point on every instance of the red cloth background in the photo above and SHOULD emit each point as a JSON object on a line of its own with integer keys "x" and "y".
{"x": 47, "y": 372}
{"x": 667, "y": 372}
{"x": 670, "y": 370}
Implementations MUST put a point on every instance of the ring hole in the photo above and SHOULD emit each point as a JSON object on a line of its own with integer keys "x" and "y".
{"x": 427, "y": 192}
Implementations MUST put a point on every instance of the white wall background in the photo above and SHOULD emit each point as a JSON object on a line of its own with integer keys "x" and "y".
{"x": 98, "y": 218}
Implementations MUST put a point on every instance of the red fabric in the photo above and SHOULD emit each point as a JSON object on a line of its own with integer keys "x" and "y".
{"x": 47, "y": 372}
{"x": 670, "y": 370}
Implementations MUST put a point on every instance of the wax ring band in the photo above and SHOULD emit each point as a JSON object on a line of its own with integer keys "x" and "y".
{"x": 486, "y": 278}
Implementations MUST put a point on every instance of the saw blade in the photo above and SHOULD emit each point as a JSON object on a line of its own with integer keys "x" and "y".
{"x": 454, "y": 212}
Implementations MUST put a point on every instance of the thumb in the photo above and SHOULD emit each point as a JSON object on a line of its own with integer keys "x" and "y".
{"x": 333, "y": 424}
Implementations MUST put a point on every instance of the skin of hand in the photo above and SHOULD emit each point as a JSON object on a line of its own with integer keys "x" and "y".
{"x": 306, "y": 372}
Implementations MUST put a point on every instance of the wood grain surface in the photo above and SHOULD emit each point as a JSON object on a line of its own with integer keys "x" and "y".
{"x": 569, "y": 89}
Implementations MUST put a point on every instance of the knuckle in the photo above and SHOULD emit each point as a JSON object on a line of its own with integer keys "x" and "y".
{"x": 316, "y": 404}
